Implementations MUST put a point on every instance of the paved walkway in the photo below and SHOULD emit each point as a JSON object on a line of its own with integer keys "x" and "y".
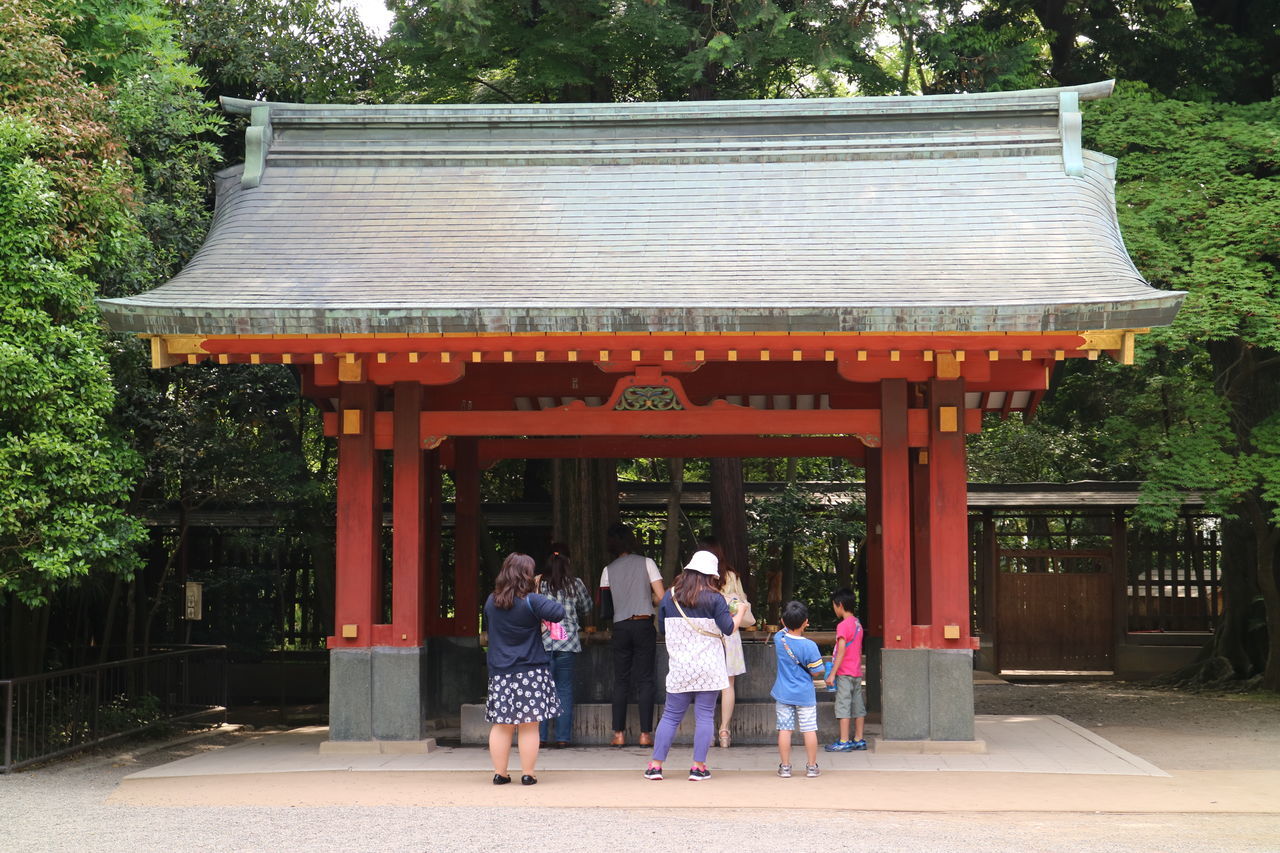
{"x": 1032, "y": 764}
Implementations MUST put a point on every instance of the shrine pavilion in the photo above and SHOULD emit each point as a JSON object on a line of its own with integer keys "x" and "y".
{"x": 457, "y": 284}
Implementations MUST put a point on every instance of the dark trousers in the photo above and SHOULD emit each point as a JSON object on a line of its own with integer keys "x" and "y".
{"x": 635, "y": 643}
{"x": 562, "y": 665}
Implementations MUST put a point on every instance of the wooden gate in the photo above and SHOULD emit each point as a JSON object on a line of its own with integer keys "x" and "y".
{"x": 1054, "y": 621}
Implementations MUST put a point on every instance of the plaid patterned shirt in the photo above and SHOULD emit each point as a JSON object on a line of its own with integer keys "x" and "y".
{"x": 577, "y": 604}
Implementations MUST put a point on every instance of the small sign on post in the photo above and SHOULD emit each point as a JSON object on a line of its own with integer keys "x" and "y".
{"x": 193, "y": 610}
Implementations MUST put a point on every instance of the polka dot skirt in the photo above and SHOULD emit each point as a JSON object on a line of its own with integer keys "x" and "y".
{"x": 522, "y": 697}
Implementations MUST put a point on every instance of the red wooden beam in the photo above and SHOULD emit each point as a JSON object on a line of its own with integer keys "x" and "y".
{"x": 645, "y": 447}
{"x": 357, "y": 586}
{"x": 921, "y": 602}
{"x": 716, "y": 419}
{"x": 435, "y": 625}
{"x": 408, "y": 541}
{"x": 620, "y": 351}
{"x": 948, "y": 521}
{"x": 725, "y": 420}
{"x": 895, "y": 514}
{"x": 466, "y": 539}
{"x": 875, "y": 547}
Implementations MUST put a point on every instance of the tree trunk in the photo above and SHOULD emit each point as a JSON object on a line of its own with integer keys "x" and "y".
{"x": 844, "y": 568}
{"x": 1267, "y": 538}
{"x": 28, "y": 633}
{"x": 170, "y": 561}
{"x": 1244, "y": 376}
{"x": 490, "y": 558}
{"x": 130, "y": 615}
{"x": 109, "y": 622}
{"x": 671, "y": 537}
{"x": 584, "y": 503}
{"x": 787, "y": 561}
{"x": 1060, "y": 24}
{"x": 535, "y": 489}
{"x": 729, "y": 516}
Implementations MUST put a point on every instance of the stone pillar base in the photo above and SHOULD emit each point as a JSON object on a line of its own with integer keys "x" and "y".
{"x": 377, "y": 747}
{"x": 928, "y": 747}
{"x": 377, "y": 694}
{"x": 926, "y": 695}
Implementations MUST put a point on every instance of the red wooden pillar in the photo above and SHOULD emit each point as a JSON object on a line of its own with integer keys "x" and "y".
{"x": 435, "y": 525}
{"x": 358, "y": 585}
{"x": 948, "y": 517}
{"x": 895, "y": 514}
{"x": 408, "y": 543}
{"x": 466, "y": 537}
{"x": 875, "y": 551}
{"x": 921, "y": 537}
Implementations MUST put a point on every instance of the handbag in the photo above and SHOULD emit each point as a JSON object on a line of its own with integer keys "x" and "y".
{"x": 693, "y": 663}
{"x": 555, "y": 630}
{"x": 734, "y": 593}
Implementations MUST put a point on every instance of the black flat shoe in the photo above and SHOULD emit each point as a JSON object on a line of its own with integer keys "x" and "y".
{"x": 502, "y": 780}
{"x": 527, "y": 780}
{"x": 562, "y": 744}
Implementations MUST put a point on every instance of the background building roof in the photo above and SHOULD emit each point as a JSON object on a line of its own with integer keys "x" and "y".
{"x": 902, "y": 214}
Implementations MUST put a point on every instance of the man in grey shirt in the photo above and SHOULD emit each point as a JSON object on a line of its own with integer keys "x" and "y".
{"x": 635, "y": 585}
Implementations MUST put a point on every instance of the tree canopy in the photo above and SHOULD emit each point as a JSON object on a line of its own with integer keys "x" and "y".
{"x": 109, "y": 138}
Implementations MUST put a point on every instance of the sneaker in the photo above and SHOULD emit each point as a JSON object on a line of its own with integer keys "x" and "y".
{"x": 654, "y": 772}
{"x": 858, "y": 745}
{"x": 811, "y": 770}
{"x": 699, "y": 774}
{"x": 840, "y": 746}
{"x": 784, "y": 770}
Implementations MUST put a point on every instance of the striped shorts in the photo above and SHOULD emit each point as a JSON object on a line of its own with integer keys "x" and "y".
{"x": 791, "y": 718}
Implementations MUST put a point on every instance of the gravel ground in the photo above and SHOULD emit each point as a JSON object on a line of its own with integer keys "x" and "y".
{"x": 62, "y": 807}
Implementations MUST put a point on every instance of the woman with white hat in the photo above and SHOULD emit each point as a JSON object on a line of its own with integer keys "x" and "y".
{"x": 695, "y": 618}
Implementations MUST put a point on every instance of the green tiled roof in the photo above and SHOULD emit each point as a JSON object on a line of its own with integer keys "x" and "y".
{"x": 904, "y": 214}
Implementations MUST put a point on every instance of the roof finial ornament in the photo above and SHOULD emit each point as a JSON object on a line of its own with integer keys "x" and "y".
{"x": 1069, "y": 126}
{"x": 257, "y": 139}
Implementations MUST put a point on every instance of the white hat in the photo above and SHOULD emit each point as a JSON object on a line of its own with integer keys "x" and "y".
{"x": 705, "y": 562}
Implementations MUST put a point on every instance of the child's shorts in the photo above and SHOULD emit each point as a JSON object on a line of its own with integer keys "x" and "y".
{"x": 791, "y": 718}
{"x": 849, "y": 702}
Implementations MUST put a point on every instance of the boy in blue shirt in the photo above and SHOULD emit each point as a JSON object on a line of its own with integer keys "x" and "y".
{"x": 796, "y": 703}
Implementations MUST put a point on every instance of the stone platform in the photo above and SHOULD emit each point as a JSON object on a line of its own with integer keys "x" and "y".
{"x": 754, "y": 723}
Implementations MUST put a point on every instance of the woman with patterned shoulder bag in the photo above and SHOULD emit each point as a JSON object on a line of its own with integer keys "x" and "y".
{"x": 695, "y": 619}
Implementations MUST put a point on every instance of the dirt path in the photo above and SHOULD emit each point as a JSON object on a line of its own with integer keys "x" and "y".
{"x": 66, "y": 807}
{"x": 1173, "y": 729}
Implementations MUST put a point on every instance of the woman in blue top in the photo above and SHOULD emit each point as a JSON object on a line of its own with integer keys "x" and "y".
{"x": 695, "y": 618}
{"x": 521, "y": 691}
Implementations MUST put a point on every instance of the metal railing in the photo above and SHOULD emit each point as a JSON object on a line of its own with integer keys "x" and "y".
{"x": 55, "y": 713}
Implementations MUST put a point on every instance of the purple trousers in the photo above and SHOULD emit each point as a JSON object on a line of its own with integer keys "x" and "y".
{"x": 704, "y": 723}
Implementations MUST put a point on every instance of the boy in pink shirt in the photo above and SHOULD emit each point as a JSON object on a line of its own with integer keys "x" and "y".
{"x": 846, "y": 674}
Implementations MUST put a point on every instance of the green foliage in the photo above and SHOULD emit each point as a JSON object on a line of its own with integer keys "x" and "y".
{"x": 596, "y": 50}
{"x": 1199, "y": 199}
{"x": 279, "y": 50}
{"x": 1013, "y": 450}
{"x": 63, "y": 475}
{"x": 798, "y": 517}
{"x": 989, "y": 47}
{"x": 1228, "y": 51}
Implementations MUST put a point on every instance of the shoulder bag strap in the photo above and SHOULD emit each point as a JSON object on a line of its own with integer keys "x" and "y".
{"x": 782, "y": 638}
{"x": 691, "y": 624}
